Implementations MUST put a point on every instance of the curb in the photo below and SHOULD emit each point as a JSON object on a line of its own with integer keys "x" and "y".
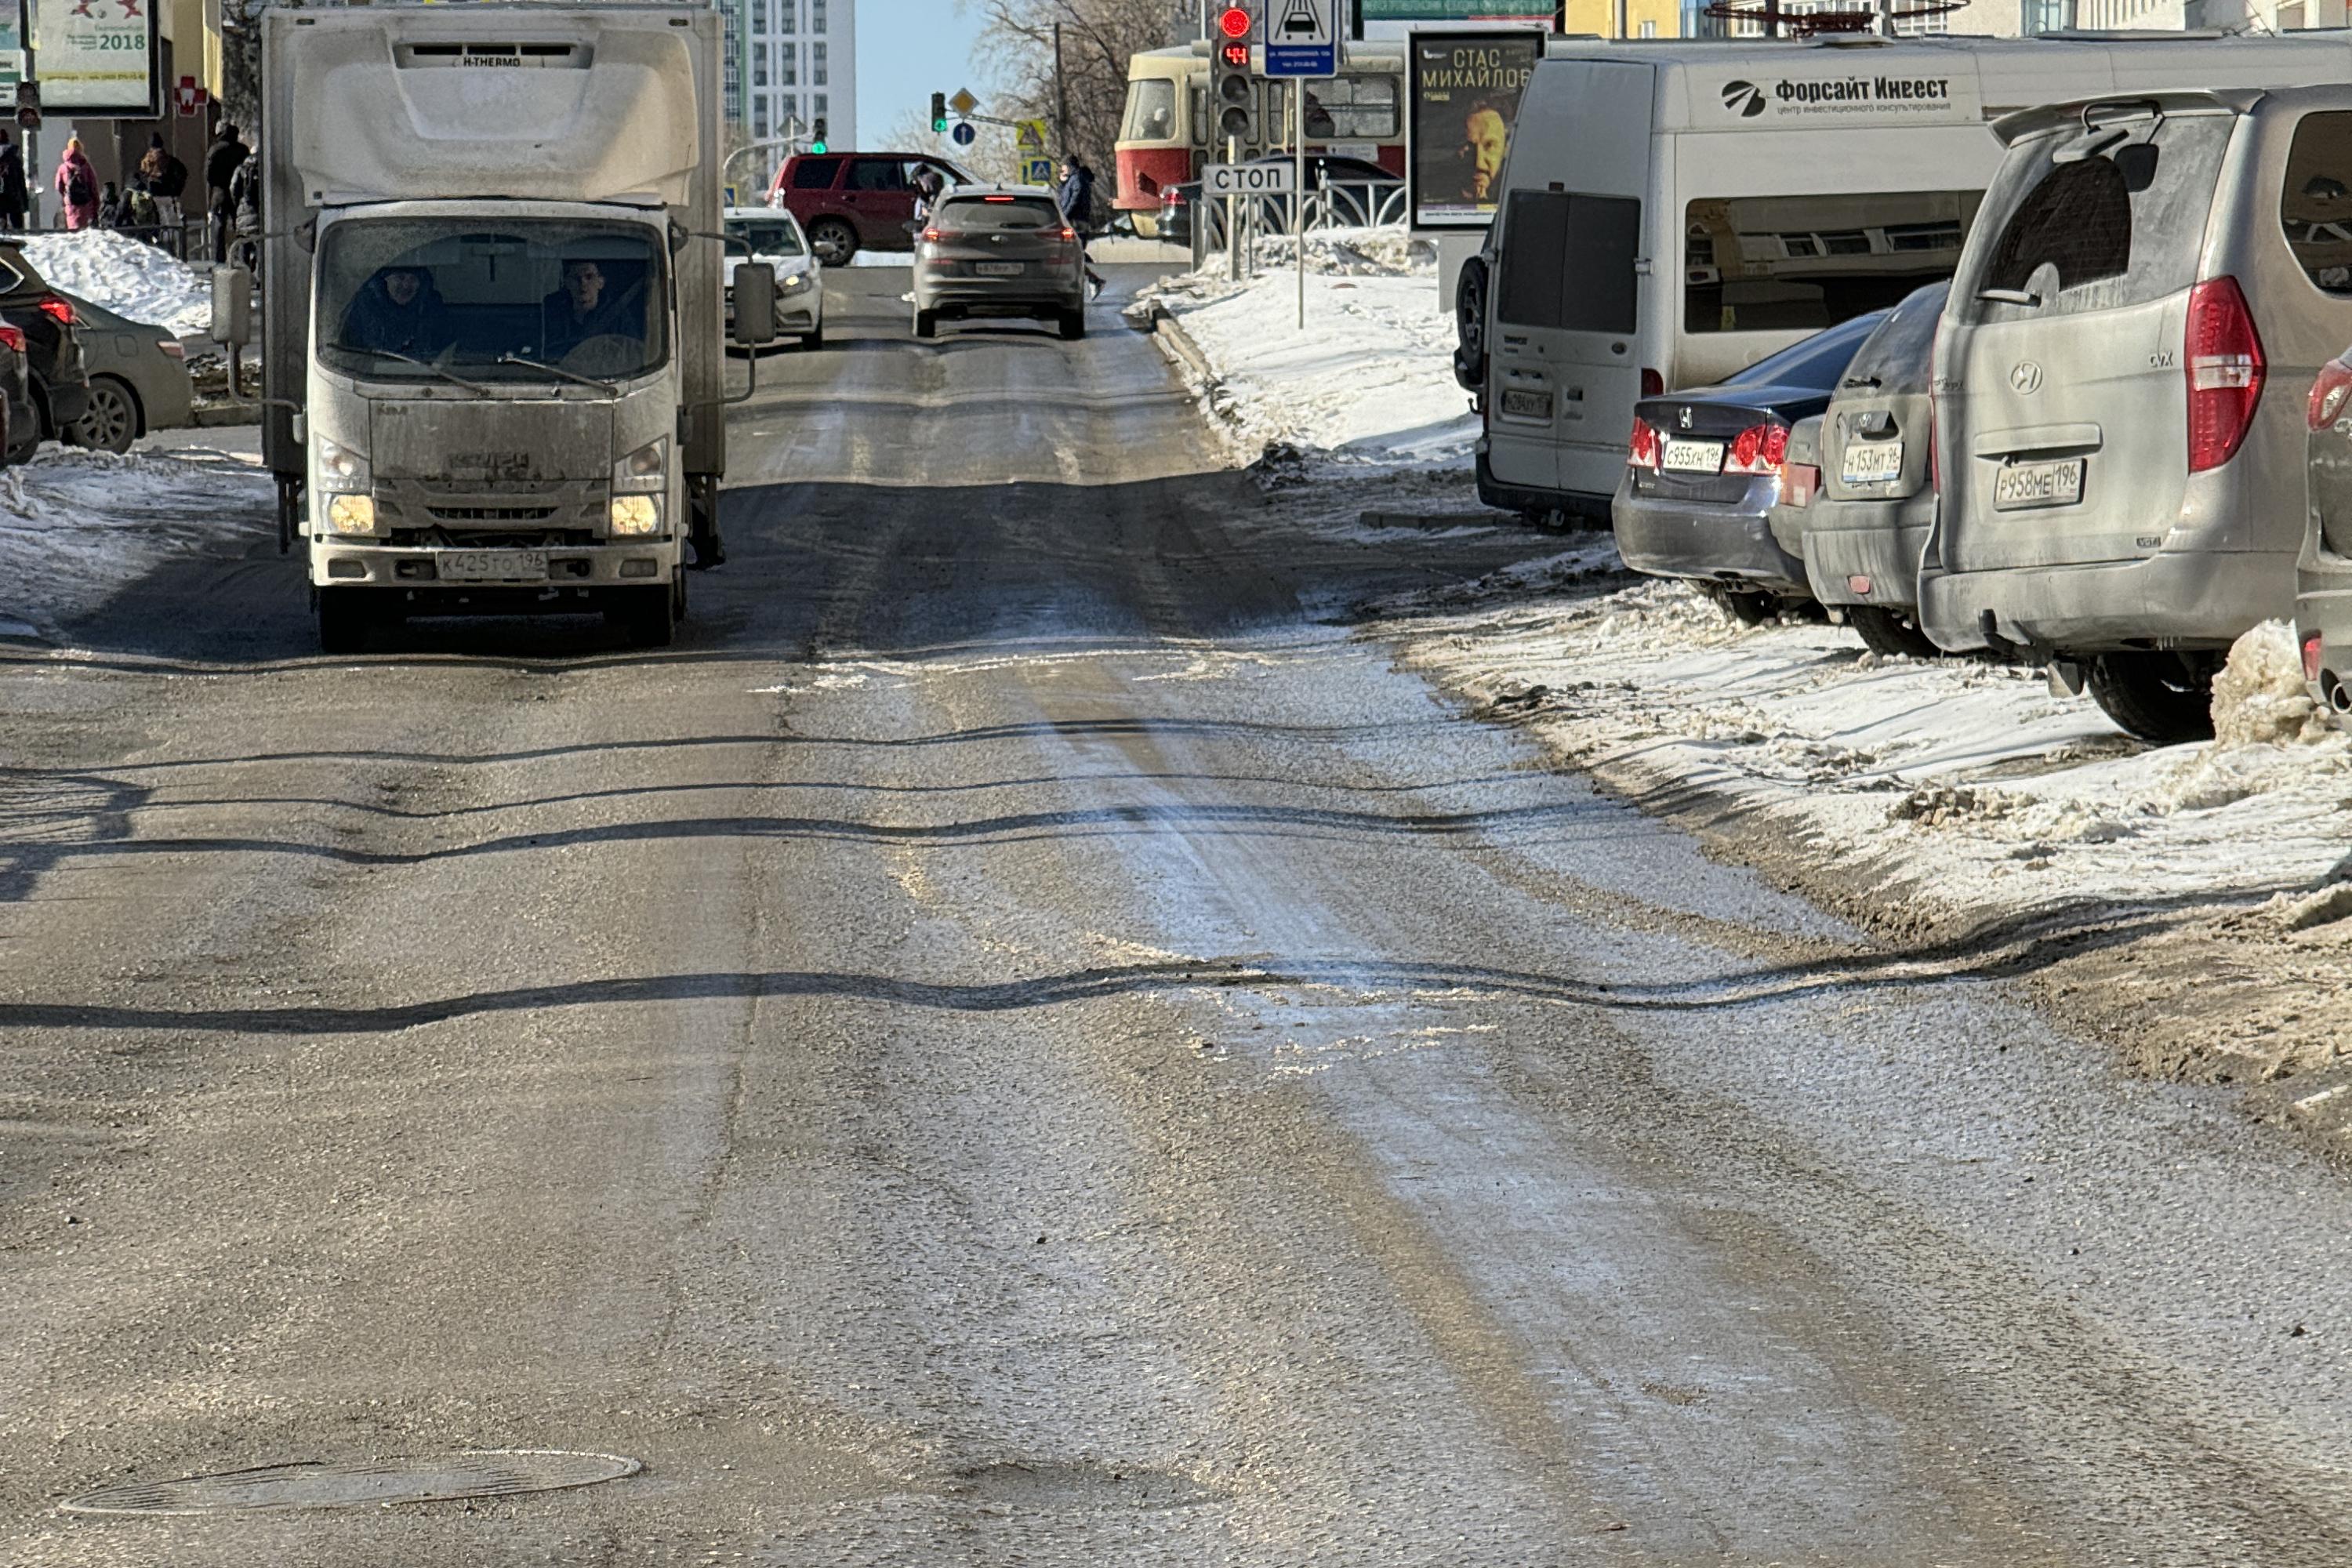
{"x": 1177, "y": 344}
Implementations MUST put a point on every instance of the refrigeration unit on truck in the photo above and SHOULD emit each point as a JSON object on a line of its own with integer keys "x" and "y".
{"x": 492, "y": 307}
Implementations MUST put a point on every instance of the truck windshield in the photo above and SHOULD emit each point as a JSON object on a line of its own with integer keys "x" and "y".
{"x": 423, "y": 298}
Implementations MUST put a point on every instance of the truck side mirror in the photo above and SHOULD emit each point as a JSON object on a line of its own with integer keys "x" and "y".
{"x": 755, "y": 305}
{"x": 233, "y": 306}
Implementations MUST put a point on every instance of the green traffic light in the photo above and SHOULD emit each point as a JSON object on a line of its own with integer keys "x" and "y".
{"x": 816, "y": 147}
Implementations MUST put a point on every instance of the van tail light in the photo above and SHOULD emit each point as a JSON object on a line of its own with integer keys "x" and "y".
{"x": 13, "y": 339}
{"x": 2313, "y": 656}
{"x": 1654, "y": 384}
{"x": 1758, "y": 449}
{"x": 2328, "y": 392}
{"x": 2225, "y": 372}
{"x": 1644, "y": 450}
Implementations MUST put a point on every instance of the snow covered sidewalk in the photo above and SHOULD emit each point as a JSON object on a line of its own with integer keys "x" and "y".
{"x": 77, "y": 527}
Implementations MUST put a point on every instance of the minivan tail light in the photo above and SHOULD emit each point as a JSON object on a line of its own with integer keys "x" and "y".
{"x": 1644, "y": 450}
{"x": 2328, "y": 392}
{"x": 1758, "y": 449}
{"x": 2225, "y": 370}
{"x": 2314, "y": 657}
{"x": 1653, "y": 383}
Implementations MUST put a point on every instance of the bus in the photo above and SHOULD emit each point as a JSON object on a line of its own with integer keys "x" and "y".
{"x": 1163, "y": 137}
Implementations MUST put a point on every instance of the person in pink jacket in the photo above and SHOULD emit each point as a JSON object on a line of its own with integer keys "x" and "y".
{"x": 77, "y": 185}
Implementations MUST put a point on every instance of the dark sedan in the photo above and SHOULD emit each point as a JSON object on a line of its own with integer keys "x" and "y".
{"x": 52, "y": 342}
{"x": 1706, "y": 466}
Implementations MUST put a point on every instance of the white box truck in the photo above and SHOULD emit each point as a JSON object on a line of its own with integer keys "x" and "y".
{"x": 492, "y": 329}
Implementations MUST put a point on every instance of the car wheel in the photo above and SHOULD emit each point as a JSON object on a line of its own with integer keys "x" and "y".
{"x": 346, "y": 616}
{"x": 2158, "y": 696}
{"x": 111, "y": 421}
{"x": 834, "y": 241}
{"x": 1883, "y": 632}
{"x": 648, "y": 618}
{"x": 1470, "y": 325}
{"x": 1074, "y": 325}
{"x": 926, "y": 323}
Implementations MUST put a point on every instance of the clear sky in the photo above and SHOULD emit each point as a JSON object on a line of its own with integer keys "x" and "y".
{"x": 907, "y": 50}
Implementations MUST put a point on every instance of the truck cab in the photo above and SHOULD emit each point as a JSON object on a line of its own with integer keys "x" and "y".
{"x": 493, "y": 308}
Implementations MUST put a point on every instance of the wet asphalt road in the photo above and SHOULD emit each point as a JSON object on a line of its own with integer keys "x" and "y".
{"x": 1020, "y": 1041}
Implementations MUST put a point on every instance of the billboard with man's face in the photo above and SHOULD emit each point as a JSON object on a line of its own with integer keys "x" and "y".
{"x": 1465, "y": 99}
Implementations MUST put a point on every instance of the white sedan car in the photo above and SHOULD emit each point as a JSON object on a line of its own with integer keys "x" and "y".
{"x": 775, "y": 236}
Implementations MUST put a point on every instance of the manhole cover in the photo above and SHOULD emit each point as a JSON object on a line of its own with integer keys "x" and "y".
{"x": 432, "y": 1477}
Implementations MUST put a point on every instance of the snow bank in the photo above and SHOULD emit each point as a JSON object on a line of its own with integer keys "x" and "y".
{"x": 76, "y": 527}
{"x": 1370, "y": 380}
{"x": 125, "y": 276}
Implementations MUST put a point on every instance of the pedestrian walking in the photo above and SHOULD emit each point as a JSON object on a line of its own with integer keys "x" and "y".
{"x": 166, "y": 179}
{"x": 16, "y": 190}
{"x": 76, "y": 187}
{"x": 1077, "y": 200}
{"x": 228, "y": 154}
{"x": 110, "y": 206}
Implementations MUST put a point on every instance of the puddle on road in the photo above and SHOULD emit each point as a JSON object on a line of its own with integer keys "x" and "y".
{"x": 1079, "y": 1485}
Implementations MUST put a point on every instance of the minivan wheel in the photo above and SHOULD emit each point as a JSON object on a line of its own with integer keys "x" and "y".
{"x": 2162, "y": 699}
{"x": 834, "y": 241}
{"x": 1883, "y": 632}
{"x": 1470, "y": 325}
{"x": 1748, "y": 606}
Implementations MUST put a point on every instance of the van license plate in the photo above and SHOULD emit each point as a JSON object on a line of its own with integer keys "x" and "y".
{"x": 493, "y": 565}
{"x": 1694, "y": 457}
{"x": 1874, "y": 462}
{"x": 2039, "y": 484}
{"x": 999, "y": 269}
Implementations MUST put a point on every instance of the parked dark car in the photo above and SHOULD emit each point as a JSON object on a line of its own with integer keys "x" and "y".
{"x": 849, "y": 202}
{"x": 52, "y": 342}
{"x": 138, "y": 379}
{"x": 20, "y": 421}
{"x": 1704, "y": 470}
{"x": 1355, "y": 192}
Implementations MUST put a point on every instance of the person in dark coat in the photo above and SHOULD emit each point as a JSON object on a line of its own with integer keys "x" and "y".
{"x": 16, "y": 190}
{"x": 1077, "y": 200}
{"x": 399, "y": 311}
{"x": 227, "y": 155}
{"x": 110, "y": 206}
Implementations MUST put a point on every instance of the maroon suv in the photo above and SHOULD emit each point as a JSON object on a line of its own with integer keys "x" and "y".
{"x": 850, "y": 202}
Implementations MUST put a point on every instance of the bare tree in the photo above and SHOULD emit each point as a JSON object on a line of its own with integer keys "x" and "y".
{"x": 1096, "y": 39}
{"x": 241, "y": 65}
{"x": 993, "y": 156}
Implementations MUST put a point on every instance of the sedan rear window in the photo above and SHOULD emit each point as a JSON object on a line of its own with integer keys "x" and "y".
{"x": 1000, "y": 215}
{"x": 2095, "y": 220}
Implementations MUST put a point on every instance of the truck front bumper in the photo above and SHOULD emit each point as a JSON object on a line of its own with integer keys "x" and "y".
{"x": 340, "y": 562}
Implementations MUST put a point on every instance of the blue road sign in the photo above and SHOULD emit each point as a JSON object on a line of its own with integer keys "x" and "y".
{"x": 1302, "y": 38}
{"x": 965, "y": 134}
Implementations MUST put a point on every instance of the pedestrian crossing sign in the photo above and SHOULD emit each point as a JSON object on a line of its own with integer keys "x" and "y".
{"x": 1029, "y": 138}
{"x": 1036, "y": 171}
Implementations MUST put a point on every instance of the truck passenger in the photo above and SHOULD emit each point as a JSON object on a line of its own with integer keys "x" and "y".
{"x": 399, "y": 311}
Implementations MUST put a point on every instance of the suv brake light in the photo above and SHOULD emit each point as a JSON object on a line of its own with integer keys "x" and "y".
{"x": 58, "y": 310}
{"x": 1758, "y": 449}
{"x": 13, "y": 339}
{"x": 2225, "y": 370}
{"x": 2328, "y": 392}
{"x": 1643, "y": 451}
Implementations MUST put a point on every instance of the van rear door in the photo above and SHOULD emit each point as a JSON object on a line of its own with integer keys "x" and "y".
{"x": 2065, "y": 382}
{"x": 1564, "y": 377}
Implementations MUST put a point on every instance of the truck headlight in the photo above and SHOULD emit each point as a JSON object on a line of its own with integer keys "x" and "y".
{"x": 341, "y": 471}
{"x": 351, "y": 514}
{"x": 645, "y": 470}
{"x": 636, "y": 514}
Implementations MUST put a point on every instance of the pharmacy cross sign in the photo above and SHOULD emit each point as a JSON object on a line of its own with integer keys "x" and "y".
{"x": 1302, "y": 37}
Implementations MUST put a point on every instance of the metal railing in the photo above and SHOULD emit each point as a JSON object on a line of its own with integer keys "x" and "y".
{"x": 1343, "y": 203}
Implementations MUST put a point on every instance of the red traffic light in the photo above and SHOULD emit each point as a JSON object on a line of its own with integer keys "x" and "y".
{"x": 1237, "y": 56}
{"x": 1235, "y": 22}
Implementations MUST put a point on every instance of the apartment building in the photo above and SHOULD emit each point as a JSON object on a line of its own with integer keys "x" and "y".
{"x": 793, "y": 60}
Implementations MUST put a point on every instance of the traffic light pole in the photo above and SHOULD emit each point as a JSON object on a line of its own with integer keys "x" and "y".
{"x": 1233, "y": 219}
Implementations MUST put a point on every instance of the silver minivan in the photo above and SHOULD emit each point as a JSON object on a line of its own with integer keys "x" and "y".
{"x": 1870, "y": 511}
{"x": 2119, "y": 499}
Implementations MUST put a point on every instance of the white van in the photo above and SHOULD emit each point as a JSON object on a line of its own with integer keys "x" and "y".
{"x": 1672, "y": 213}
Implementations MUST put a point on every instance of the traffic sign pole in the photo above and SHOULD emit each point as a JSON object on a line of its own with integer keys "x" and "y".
{"x": 1299, "y": 187}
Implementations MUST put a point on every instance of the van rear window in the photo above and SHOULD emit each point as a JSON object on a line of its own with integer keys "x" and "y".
{"x": 1568, "y": 262}
{"x": 2316, "y": 202}
{"x": 1800, "y": 263}
{"x": 2095, "y": 220}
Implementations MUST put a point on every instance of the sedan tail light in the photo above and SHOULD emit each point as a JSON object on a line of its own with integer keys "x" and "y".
{"x": 13, "y": 339}
{"x": 1758, "y": 449}
{"x": 2328, "y": 392}
{"x": 58, "y": 310}
{"x": 2225, "y": 370}
{"x": 1644, "y": 450}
